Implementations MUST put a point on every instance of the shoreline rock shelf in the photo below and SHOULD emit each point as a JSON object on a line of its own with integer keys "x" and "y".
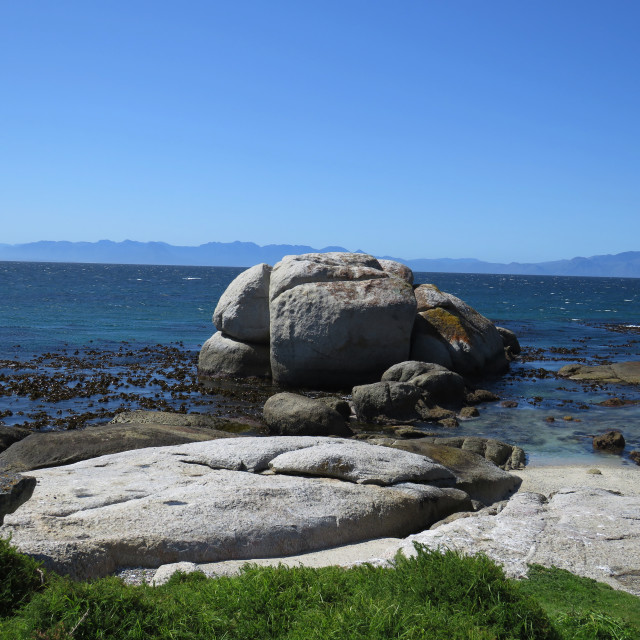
{"x": 336, "y": 320}
{"x": 226, "y": 499}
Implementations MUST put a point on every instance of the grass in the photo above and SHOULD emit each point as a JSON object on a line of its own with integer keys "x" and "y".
{"x": 432, "y": 596}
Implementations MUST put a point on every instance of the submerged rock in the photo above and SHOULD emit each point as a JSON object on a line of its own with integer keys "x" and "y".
{"x": 609, "y": 441}
{"x": 618, "y": 373}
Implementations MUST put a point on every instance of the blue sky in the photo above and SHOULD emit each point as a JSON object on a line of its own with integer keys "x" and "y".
{"x": 500, "y": 130}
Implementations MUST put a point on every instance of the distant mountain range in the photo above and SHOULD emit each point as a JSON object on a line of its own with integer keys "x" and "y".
{"x": 245, "y": 254}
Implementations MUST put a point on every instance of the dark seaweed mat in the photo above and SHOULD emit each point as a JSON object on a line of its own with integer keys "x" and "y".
{"x": 70, "y": 388}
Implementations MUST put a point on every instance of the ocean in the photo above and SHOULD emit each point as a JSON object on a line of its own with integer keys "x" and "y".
{"x": 79, "y": 342}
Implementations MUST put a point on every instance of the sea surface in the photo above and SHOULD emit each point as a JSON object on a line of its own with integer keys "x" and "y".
{"x": 90, "y": 327}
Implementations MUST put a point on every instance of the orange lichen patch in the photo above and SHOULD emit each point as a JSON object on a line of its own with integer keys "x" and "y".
{"x": 447, "y": 324}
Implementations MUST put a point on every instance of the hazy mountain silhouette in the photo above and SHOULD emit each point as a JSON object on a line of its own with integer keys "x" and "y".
{"x": 245, "y": 254}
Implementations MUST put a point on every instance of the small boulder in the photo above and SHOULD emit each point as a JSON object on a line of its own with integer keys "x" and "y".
{"x": 339, "y": 404}
{"x": 510, "y": 341}
{"x": 443, "y": 388}
{"x": 610, "y": 441}
{"x": 15, "y": 490}
{"x": 439, "y": 385}
{"x": 410, "y": 369}
{"x": 291, "y": 414}
{"x": 635, "y": 456}
{"x": 385, "y": 402}
{"x": 222, "y": 356}
{"x": 481, "y": 395}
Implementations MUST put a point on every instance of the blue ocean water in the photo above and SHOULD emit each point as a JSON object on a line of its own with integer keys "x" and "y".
{"x": 47, "y": 307}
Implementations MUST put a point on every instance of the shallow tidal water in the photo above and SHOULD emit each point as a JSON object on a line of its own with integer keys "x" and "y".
{"x": 79, "y": 342}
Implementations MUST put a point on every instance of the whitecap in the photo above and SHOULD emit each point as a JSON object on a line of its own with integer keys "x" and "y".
{"x": 192, "y": 278}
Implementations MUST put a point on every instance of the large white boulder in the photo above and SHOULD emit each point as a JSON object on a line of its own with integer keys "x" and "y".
{"x": 243, "y": 309}
{"x": 211, "y": 502}
{"x": 337, "y": 319}
{"x": 451, "y": 333}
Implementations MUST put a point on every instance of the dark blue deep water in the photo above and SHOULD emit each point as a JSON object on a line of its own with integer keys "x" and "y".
{"x": 49, "y": 307}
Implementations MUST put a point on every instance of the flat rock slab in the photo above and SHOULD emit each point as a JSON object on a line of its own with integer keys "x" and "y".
{"x": 617, "y": 373}
{"x": 191, "y": 503}
{"x": 591, "y": 532}
{"x": 170, "y": 418}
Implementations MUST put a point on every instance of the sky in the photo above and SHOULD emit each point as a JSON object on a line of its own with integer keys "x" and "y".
{"x": 498, "y": 130}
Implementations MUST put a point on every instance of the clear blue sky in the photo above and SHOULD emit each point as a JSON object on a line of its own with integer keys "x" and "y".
{"x": 500, "y": 130}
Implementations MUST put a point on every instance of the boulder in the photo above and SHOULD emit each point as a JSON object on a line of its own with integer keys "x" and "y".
{"x": 222, "y": 356}
{"x": 441, "y": 388}
{"x": 183, "y": 504}
{"x": 352, "y": 462}
{"x": 510, "y": 341}
{"x": 386, "y": 402}
{"x": 609, "y": 441}
{"x": 9, "y": 435}
{"x": 478, "y": 396}
{"x": 410, "y": 369}
{"x": 56, "y": 448}
{"x": 15, "y": 489}
{"x": 243, "y": 309}
{"x": 337, "y": 319}
{"x": 449, "y": 332}
{"x": 397, "y": 269}
{"x": 339, "y": 404}
{"x": 506, "y": 456}
{"x": 290, "y": 414}
{"x": 475, "y": 475}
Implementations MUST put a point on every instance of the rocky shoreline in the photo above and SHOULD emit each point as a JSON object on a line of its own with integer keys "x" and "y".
{"x": 279, "y": 472}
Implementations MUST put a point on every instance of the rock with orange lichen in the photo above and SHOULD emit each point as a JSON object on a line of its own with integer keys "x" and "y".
{"x": 449, "y": 332}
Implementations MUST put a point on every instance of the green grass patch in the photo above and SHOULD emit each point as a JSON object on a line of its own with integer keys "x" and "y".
{"x": 20, "y": 578}
{"x": 431, "y": 596}
{"x": 581, "y": 604}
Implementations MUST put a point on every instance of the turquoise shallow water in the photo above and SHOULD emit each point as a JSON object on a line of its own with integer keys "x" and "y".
{"x": 46, "y": 307}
